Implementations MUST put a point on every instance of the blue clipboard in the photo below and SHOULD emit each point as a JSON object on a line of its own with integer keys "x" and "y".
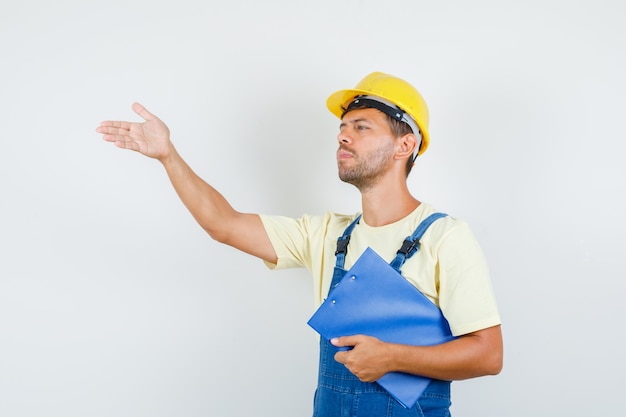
{"x": 375, "y": 300}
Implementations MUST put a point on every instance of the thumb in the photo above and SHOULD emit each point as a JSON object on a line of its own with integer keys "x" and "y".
{"x": 344, "y": 341}
{"x": 143, "y": 112}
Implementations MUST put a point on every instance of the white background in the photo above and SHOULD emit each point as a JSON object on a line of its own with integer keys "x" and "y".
{"x": 113, "y": 302}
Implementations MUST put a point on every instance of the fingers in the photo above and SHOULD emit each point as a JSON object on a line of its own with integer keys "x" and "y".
{"x": 143, "y": 112}
{"x": 120, "y": 140}
{"x": 112, "y": 132}
{"x": 115, "y": 127}
{"x": 113, "y": 124}
{"x": 126, "y": 144}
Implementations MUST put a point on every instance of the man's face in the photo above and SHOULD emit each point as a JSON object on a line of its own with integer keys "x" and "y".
{"x": 366, "y": 147}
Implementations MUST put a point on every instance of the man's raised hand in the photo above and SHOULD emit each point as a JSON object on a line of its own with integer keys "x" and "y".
{"x": 150, "y": 138}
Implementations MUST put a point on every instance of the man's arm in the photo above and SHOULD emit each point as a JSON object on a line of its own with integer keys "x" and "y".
{"x": 210, "y": 209}
{"x": 469, "y": 356}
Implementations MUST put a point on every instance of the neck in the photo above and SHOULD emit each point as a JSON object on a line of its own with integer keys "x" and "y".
{"x": 387, "y": 203}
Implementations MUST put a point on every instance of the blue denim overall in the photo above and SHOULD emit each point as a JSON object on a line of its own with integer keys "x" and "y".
{"x": 339, "y": 392}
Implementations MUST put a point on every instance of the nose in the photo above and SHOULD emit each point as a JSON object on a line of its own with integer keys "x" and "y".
{"x": 344, "y": 135}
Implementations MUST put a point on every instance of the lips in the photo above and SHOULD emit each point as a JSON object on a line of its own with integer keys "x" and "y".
{"x": 344, "y": 154}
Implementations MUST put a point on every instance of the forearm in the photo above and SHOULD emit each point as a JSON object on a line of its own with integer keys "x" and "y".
{"x": 469, "y": 356}
{"x": 210, "y": 209}
{"x": 472, "y": 355}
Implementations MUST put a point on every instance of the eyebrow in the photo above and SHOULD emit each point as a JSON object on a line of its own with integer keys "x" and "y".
{"x": 359, "y": 120}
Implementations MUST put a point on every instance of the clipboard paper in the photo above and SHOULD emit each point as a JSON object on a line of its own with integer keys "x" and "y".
{"x": 374, "y": 299}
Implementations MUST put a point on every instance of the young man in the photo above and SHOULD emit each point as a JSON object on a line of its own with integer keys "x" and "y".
{"x": 384, "y": 126}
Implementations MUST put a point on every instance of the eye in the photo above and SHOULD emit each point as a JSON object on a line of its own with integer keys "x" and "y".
{"x": 361, "y": 127}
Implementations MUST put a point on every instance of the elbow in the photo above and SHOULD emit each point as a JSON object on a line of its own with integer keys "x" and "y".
{"x": 223, "y": 228}
{"x": 488, "y": 365}
{"x": 495, "y": 366}
{"x": 493, "y": 363}
{"x": 223, "y": 235}
{"x": 219, "y": 230}
{"x": 492, "y": 351}
{"x": 220, "y": 235}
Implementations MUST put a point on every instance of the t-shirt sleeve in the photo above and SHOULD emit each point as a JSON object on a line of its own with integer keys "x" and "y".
{"x": 290, "y": 239}
{"x": 466, "y": 294}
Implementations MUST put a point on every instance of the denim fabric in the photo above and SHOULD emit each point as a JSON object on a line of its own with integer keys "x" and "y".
{"x": 341, "y": 394}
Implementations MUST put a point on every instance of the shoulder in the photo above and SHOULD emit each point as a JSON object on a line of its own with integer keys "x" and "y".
{"x": 445, "y": 230}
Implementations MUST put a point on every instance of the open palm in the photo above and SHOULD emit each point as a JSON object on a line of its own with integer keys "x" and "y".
{"x": 150, "y": 138}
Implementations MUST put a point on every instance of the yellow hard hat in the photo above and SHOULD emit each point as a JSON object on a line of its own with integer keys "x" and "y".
{"x": 392, "y": 90}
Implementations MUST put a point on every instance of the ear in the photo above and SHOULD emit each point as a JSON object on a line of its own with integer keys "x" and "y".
{"x": 405, "y": 146}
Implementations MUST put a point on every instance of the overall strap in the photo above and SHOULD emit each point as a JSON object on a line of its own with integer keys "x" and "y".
{"x": 342, "y": 243}
{"x": 411, "y": 244}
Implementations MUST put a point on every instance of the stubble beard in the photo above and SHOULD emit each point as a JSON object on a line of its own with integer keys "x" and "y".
{"x": 368, "y": 170}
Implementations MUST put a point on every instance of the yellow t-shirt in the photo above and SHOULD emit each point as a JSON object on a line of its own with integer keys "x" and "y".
{"x": 449, "y": 268}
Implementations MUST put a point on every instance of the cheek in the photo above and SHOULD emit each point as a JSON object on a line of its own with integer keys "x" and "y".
{"x": 383, "y": 152}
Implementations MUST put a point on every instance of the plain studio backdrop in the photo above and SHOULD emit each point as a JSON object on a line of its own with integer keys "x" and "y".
{"x": 113, "y": 302}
